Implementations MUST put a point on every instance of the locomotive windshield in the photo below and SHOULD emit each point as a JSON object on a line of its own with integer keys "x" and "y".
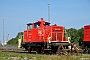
{"x": 36, "y": 25}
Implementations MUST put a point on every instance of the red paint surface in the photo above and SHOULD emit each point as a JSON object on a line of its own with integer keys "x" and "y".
{"x": 43, "y": 32}
{"x": 87, "y": 33}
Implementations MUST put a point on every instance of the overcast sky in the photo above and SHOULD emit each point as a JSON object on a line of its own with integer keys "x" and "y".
{"x": 67, "y": 13}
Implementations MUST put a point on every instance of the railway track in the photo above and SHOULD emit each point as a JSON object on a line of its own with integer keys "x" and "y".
{"x": 26, "y": 52}
{"x": 13, "y": 50}
{"x": 21, "y": 50}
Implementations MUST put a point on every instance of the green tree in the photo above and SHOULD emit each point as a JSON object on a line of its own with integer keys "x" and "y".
{"x": 73, "y": 33}
{"x": 14, "y": 41}
{"x": 76, "y": 34}
{"x": 81, "y": 34}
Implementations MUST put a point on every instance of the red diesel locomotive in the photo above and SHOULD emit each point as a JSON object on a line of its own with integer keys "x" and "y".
{"x": 85, "y": 44}
{"x": 41, "y": 37}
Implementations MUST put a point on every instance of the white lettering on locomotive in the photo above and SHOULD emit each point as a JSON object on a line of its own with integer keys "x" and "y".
{"x": 39, "y": 32}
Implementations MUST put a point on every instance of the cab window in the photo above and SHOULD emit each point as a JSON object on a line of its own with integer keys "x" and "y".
{"x": 29, "y": 27}
{"x": 36, "y": 25}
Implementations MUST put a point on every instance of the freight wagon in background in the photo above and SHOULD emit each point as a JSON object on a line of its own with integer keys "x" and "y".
{"x": 85, "y": 44}
{"x": 40, "y": 37}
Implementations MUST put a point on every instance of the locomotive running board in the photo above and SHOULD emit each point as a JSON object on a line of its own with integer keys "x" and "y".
{"x": 47, "y": 49}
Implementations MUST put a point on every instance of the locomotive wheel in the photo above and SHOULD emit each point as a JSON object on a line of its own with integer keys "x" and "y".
{"x": 42, "y": 50}
{"x": 37, "y": 49}
{"x": 50, "y": 52}
{"x": 88, "y": 50}
{"x": 29, "y": 50}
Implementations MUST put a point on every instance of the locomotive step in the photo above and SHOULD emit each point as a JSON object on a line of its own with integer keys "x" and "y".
{"x": 47, "y": 49}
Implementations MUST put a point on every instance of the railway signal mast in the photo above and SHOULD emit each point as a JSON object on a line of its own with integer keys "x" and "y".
{"x": 49, "y": 12}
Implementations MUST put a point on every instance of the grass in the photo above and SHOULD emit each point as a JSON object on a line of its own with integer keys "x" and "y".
{"x": 18, "y": 56}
